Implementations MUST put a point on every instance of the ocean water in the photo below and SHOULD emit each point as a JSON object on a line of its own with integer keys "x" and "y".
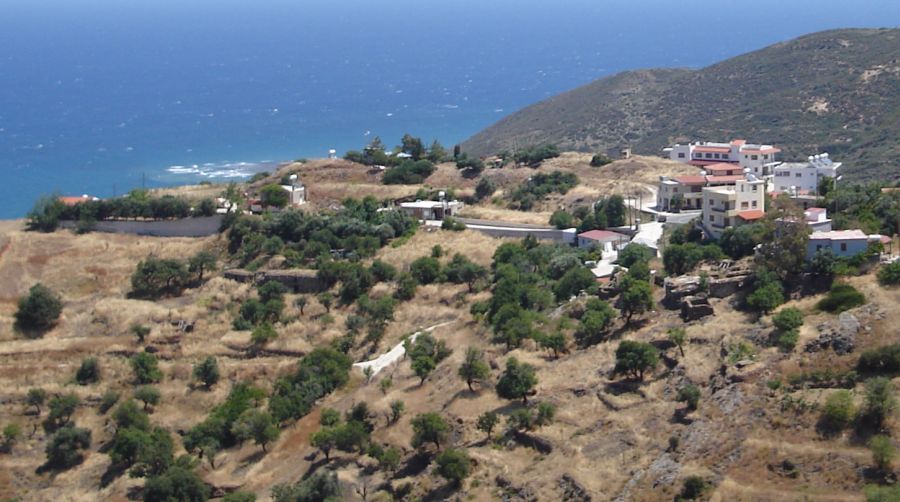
{"x": 102, "y": 96}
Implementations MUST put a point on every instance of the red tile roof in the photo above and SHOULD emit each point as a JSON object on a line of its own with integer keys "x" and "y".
{"x": 722, "y": 166}
{"x": 602, "y": 236}
{"x": 753, "y": 214}
{"x": 71, "y": 201}
{"x": 691, "y": 180}
{"x": 712, "y": 149}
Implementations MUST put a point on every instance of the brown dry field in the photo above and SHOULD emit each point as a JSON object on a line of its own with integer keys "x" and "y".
{"x": 609, "y": 436}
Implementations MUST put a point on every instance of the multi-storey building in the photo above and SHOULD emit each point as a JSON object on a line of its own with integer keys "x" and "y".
{"x": 733, "y": 205}
{"x": 686, "y": 192}
{"x": 758, "y": 158}
{"x": 803, "y": 177}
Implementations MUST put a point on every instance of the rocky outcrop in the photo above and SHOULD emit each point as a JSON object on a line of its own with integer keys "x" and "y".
{"x": 680, "y": 287}
{"x": 840, "y": 334}
{"x": 573, "y": 490}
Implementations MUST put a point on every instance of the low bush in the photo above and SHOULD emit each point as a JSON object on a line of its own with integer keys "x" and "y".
{"x": 889, "y": 275}
{"x": 880, "y": 360}
{"x": 841, "y": 297}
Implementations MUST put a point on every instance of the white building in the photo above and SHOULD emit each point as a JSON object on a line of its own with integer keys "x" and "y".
{"x": 804, "y": 177}
{"x": 431, "y": 209}
{"x": 841, "y": 242}
{"x": 607, "y": 240}
{"x": 758, "y": 158}
{"x": 730, "y": 206}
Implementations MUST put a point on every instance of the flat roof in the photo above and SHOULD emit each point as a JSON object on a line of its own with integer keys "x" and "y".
{"x": 839, "y": 235}
{"x": 602, "y": 235}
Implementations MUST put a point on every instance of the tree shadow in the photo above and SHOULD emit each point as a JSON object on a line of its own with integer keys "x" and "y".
{"x": 629, "y": 386}
{"x": 414, "y": 466}
{"x": 111, "y": 474}
{"x": 441, "y": 493}
{"x": 253, "y": 457}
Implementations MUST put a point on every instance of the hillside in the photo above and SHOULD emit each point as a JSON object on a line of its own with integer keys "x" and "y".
{"x": 836, "y": 91}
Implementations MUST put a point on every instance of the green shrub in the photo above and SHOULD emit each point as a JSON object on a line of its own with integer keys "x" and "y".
{"x": 453, "y": 465}
{"x": 788, "y": 340}
{"x": 600, "y": 160}
{"x": 880, "y": 360}
{"x": 883, "y": 452}
{"x": 690, "y": 395}
{"x": 788, "y": 319}
{"x": 839, "y": 411}
{"x": 64, "y": 448}
{"x": 410, "y": 172}
{"x": 39, "y": 311}
{"x": 889, "y": 275}
{"x": 693, "y": 488}
{"x": 451, "y": 223}
{"x": 88, "y": 372}
{"x": 145, "y": 368}
{"x": 841, "y": 297}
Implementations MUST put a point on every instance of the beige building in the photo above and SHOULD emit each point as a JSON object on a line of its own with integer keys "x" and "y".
{"x": 730, "y": 206}
{"x": 686, "y": 192}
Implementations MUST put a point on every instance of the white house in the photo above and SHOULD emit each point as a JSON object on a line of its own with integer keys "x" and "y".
{"x": 757, "y": 157}
{"x": 841, "y": 242}
{"x": 607, "y": 240}
{"x": 800, "y": 177}
{"x": 431, "y": 209}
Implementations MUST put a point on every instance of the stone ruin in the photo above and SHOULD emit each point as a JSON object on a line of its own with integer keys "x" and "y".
{"x": 695, "y": 307}
{"x": 296, "y": 280}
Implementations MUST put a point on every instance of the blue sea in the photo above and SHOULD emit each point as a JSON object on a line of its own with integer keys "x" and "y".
{"x": 102, "y": 96}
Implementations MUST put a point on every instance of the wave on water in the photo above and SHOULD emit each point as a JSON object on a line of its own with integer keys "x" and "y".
{"x": 221, "y": 170}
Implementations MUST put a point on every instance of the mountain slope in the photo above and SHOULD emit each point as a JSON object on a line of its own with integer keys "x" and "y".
{"x": 836, "y": 91}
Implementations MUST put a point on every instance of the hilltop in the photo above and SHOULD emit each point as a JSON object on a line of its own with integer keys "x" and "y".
{"x": 836, "y": 91}
{"x": 378, "y": 278}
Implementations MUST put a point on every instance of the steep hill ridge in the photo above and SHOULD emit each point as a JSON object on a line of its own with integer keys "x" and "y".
{"x": 836, "y": 91}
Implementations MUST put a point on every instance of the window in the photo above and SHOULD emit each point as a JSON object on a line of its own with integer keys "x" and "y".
{"x": 680, "y": 155}
{"x": 708, "y": 155}
{"x": 754, "y": 157}
{"x": 712, "y": 218}
{"x": 675, "y": 190}
{"x": 744, "y": 205}
{"x": 818, "y": 247}
{"x": 754, "y": 188}
{"x": 798, "y": 175}
{"x": 727, "y": 222}
{"x": 698, "y": 155}
{"x": 843, "y": 246}
{"x": 754, "y": 205}
{"x": 766, "y": 156}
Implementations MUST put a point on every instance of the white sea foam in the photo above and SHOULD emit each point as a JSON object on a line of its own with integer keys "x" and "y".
{"x": 221, "y": 170}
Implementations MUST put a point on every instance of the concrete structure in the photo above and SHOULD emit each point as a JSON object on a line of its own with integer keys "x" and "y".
{"x": 803, "y": 177}
{"x": 297, "y": 194}
{"x": 817, "y": 219}
{"x": 758, "y": 158}
{"x": 516, "y": 230}
{"x": 843, "y": 243}
{"x": 431, "y": 209}
{"x": 728, "y": 206}
{"x": 608, "y": 241}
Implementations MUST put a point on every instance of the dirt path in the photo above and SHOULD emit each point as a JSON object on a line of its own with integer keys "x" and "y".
{"x": 383, "y": 361}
